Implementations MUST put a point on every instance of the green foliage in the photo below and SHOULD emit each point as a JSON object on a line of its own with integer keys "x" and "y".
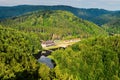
{"x": 16, "y": 60}
{"x": 54, "y": 25}
{"x": 98, "y": 16}
{"x": 13, "y": 41}
{"x": 93, "y": 59}
{"x": 113, "y": 26}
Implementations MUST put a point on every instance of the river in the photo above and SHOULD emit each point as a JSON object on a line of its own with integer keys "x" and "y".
{"x": 47, "y": 61}
{"x": 42, "y": 58}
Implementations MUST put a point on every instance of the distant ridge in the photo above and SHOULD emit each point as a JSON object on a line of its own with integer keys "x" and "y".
{"x": 92, "y": 14}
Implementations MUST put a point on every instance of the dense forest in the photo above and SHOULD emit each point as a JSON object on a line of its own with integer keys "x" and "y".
{"x": 91, "y": 59}
{"x": 95, "y": 57}
{"x": 16, "y": 57}
{"x": 54, "y": 25}
{"x": 16, "y": 49}
{"x": 98, "y": 16}
{"x": 113, "y": 26}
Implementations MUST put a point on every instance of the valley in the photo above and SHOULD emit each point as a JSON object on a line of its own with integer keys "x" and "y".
{"x": 59, "y": 43}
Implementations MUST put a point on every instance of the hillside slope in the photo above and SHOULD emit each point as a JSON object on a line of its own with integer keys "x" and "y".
{"x": 113, "y": 26}
{"x": 91, "y": 59}
{"x": 16, "y": 60}
{"x": 13, "y": 41}
{"x": 94, "y": 15}
{"x": 54, "y": 25}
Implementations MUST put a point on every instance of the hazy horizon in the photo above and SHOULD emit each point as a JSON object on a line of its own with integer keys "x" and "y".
{"x": 101, "y": 4}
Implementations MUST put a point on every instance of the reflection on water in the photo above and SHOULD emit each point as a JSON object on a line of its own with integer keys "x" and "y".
{"x": 47, "y": 61}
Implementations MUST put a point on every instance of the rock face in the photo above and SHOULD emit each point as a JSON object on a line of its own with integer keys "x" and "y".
{"x": 47, "y": 61}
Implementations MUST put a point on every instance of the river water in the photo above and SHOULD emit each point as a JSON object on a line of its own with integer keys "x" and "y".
{"x": 42, "y": 57}
{"x": 47, "y": 61}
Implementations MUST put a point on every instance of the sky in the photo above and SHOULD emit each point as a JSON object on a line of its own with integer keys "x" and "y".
{"x": 104, "y": 4}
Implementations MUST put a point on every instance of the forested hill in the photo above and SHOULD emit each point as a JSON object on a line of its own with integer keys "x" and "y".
{"x": 113, "y": 27}
{"x": 53, "y": 25}
{"x": 14, "y": 41}
{"x": 94, "y": 15}
{"x": 91, "y": 59}
{"x": 16, "y": 49}
{"x": 21, "y": 9}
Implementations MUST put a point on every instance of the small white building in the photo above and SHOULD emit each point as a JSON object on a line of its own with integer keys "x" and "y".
{"x": 47, "y": 43}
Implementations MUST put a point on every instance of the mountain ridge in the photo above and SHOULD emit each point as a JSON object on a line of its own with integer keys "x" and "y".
{"x": 92, "y": 14}
{"x": 48, "y": 23}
